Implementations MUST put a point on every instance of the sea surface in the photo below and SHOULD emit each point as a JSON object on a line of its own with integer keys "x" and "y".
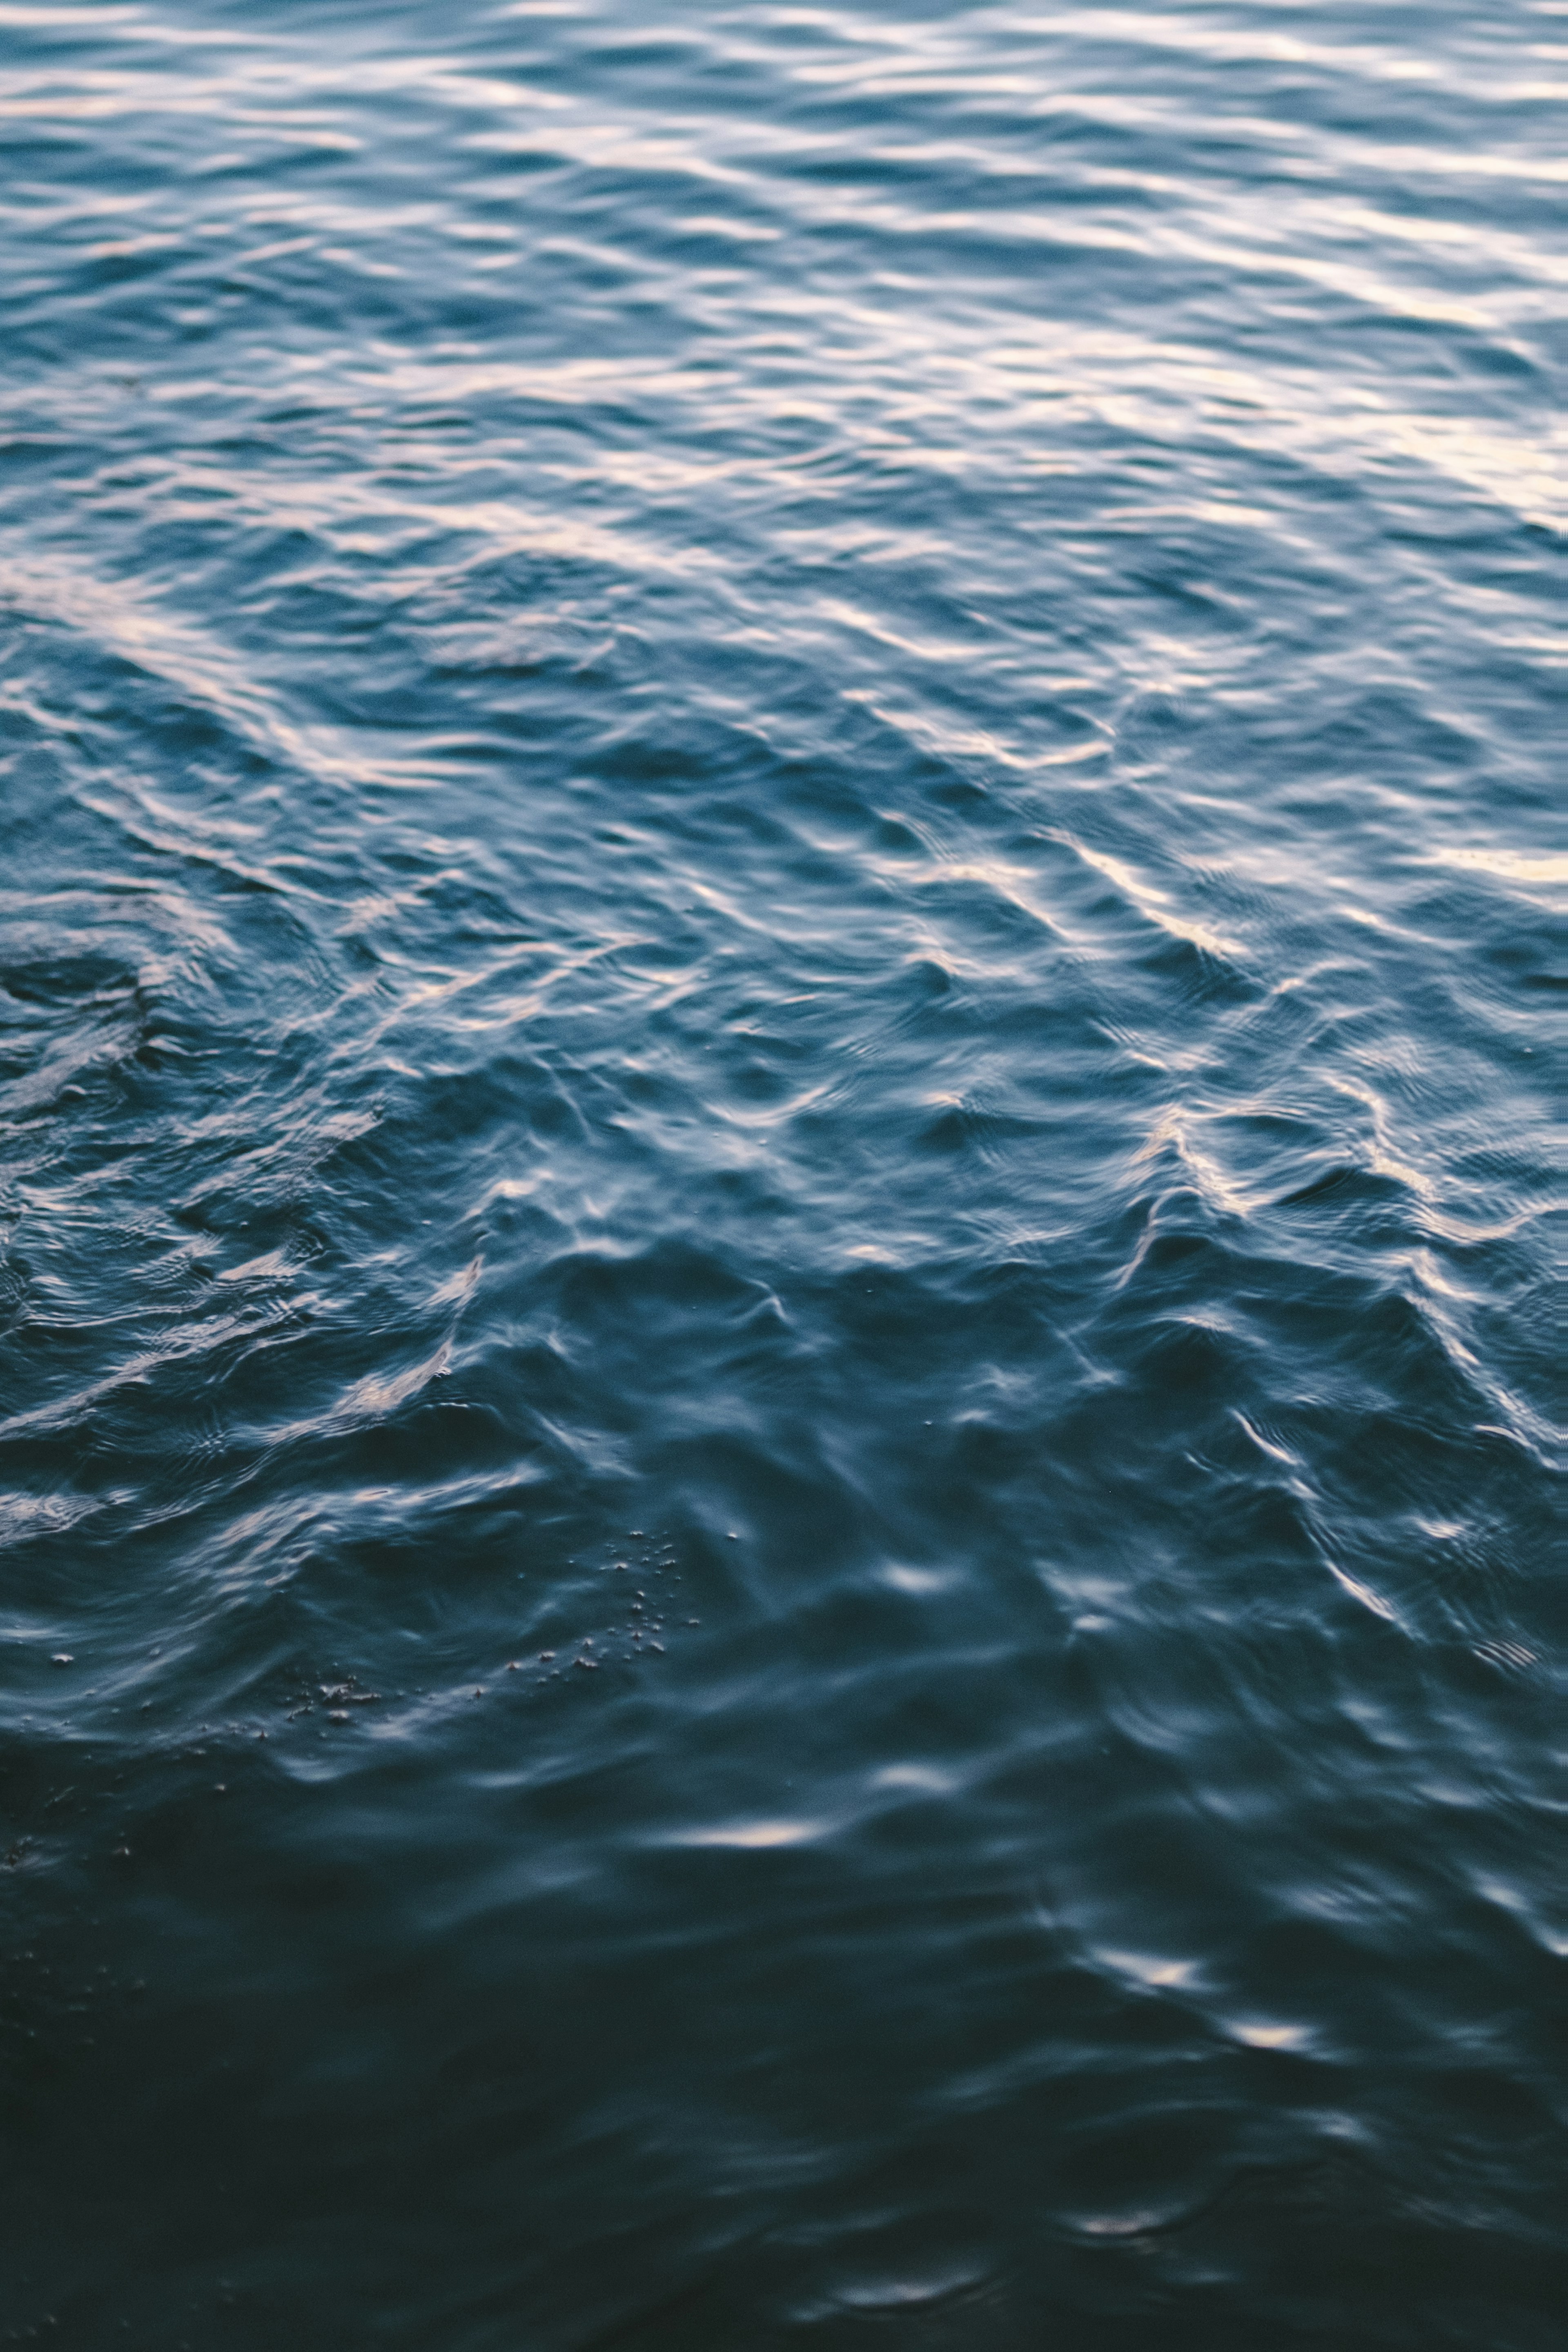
{"x": 779, "y": 897}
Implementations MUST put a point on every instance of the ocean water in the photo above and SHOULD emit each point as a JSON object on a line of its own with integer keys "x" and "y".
{"x": 778, "y": 910}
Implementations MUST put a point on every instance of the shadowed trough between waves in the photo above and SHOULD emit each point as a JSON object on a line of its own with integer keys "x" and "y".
{"x": 777, "y": 902}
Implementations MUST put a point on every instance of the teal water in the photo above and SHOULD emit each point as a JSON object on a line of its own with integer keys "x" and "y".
{"x": 780, "y": 890}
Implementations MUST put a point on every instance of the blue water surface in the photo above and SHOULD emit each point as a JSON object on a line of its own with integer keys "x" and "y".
{"x": 779, "y": 907}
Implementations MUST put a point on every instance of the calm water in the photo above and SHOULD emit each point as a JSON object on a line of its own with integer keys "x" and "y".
{"x": 776, "y": 907}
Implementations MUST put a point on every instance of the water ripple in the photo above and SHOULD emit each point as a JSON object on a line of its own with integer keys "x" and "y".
{"x": 778, "y": 921}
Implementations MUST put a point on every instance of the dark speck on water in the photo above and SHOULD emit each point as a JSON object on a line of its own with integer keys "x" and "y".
{"x": 792, "y": 771}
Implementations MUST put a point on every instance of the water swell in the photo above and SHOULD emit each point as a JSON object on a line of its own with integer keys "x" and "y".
{"x": 778, "y": 1431}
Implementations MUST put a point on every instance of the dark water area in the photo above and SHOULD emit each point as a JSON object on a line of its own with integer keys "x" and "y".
{"x": 779, "y": 892}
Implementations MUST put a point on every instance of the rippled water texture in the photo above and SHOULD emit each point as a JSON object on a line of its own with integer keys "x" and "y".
{"x": 777, "y": 923}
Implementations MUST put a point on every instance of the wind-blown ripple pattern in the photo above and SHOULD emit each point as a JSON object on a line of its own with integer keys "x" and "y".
{"x": 777, "y": 915}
